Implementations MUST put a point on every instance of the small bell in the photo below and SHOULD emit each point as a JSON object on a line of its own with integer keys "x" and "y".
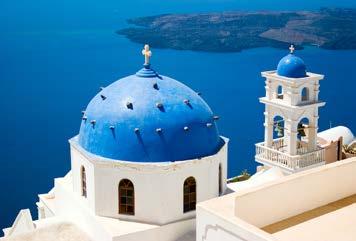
{"x": 301, "y": 130}
{"x": 279, "y": 130}
{"x": 276, "y": 128}
{"x": 280, "y": 133}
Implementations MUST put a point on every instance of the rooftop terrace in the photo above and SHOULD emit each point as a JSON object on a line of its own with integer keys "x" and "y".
{"x": 314, "y": 205}
{"x": 311, "y": 214}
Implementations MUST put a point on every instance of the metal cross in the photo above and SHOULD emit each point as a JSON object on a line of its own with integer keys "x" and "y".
{"x": 291, "y": 48}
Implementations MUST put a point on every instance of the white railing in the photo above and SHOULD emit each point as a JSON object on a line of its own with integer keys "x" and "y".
{"x": 278, "y": 144}
{"x": 275, "y": 155}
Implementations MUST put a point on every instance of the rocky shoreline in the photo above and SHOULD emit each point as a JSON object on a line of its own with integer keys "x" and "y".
{"x": 329, "y": 28}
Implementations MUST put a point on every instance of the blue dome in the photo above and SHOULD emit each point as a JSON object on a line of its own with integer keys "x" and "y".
{"x": 291, "y": 66}
{"x": 149, "y": 118}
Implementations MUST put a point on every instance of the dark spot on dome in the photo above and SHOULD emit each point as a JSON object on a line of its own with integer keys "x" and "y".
{"x": 199, "y": 93}
{"x": 137, "y": 130}
{"x": 159, "y": 130}
{"x": 155, "y": 86}
{"x": 216, "y": 117}
{"x": 83, "y": 112}
{"x": 93, "y": 122}
{"x": 112, "y": 128}
{"x": 160, "y": 106}
{"x": 103, "y": 97}
{"x": 84, "y": 118}
{"x": 209, "y": 124}
{"x": 101, "y": 88}
{"x": 187, "y": 102}
{"x": 186, "y": 128}
{"x": 129, "y": 105}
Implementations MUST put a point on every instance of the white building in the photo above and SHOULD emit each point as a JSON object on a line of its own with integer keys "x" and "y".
{"x": 148, "y": 150}
{"x": 292, "y": 102}
{"x": 333, "y": 140}
{"x": 315, "y": 205}
{"x": 333, "y": 134}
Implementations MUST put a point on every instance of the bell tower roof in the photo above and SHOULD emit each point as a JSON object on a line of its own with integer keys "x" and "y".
{"x": 292, "y": 66}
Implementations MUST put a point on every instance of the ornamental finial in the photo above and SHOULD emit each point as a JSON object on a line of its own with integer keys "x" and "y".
{"x": 147, "y": 53}
{"x": 292, "y": 49}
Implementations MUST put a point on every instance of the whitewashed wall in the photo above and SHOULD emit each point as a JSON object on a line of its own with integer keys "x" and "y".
{"x": 78, "y": 160}
{"x": 158, "y": 195}
{"x": 297, "y": 193}
{"x": 212, "y": 227}
{"x": 239, "y": 216}
{"x": 158, "y": 186}
{"x": 170, "y": 232}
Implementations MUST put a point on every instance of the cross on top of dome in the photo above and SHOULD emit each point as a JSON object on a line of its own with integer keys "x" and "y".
{"x": 292, "y": 49}
{"x": 147, "y": 72}
{"x": 147, "y": 53}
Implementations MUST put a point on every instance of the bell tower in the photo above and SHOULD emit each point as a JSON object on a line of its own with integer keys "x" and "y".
{"x": 291, "y": 117}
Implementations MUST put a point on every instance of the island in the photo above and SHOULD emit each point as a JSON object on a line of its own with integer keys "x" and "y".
{"x": 329, "y": 28}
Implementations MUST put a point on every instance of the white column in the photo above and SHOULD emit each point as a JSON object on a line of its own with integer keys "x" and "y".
{"x": 268, "y": 128}
{"x": 313, "y": 131}
{"x": 295, "y": 96}
{"x": 291, "y": 134}
{"x": 287, "y": 94}
{"x": 316, "y": 91}
{"x": 269, "y": 89}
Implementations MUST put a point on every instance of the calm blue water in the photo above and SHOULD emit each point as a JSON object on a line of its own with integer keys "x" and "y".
{"x": 54, "y": 56}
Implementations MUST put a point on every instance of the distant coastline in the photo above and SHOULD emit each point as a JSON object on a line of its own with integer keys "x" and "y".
{"x": 328, "y": 28}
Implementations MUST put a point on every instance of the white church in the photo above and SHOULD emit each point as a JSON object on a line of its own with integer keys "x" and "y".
{"x": 149, "y": 164}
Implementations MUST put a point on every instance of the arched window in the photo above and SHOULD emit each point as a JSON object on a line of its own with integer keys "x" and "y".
{"x": 126, "y": 197}
{"x": 190, "y": 194}
{"x": 220, "y": 180}
{"x": 279, "y": 92}
{"x": 305, "y": 94}
{"x": 83, "y": 181}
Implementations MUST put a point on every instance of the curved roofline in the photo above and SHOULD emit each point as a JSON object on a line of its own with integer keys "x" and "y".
{"x": 135, "y": 116}
{"x": 292, "y": 66}
{"x": 108, "y": 161}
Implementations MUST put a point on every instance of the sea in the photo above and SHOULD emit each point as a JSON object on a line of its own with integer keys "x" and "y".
{"x": 55, "y": 55}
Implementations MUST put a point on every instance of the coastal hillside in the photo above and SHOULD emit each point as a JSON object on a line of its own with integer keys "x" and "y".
{"x": 329, "y": 28}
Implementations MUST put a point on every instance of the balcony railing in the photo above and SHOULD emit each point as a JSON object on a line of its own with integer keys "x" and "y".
{"x": 276, "y": 156}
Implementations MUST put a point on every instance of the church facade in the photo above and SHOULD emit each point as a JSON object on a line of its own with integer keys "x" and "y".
{"x": 148, "y": 150}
